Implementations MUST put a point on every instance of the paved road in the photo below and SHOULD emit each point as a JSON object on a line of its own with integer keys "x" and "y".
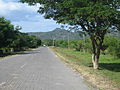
{"x": 39, "y": 69}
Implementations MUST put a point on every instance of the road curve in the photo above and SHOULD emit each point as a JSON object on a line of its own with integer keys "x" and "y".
{"x": 39, "y": 69}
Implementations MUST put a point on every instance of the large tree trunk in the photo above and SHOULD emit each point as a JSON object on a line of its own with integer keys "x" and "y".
{"x": 96, "y": 53}
{"x": 95, "y": 61}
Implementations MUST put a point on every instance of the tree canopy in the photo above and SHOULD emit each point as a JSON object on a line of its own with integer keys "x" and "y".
{"x": 12, "y": 39}
{"x": 95, "y": 17}
{"x": 7, "y": 32}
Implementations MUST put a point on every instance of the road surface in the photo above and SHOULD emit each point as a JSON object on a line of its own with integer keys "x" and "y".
{"x": 39, "y": 69}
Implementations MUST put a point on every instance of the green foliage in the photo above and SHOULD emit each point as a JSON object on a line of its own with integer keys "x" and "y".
{"x": 96, "y": 17}
{"x": 7, "y": 33}
{"x": 47, "y": 42}
{"x": 13, "y": 40}
{"x": 25, "y": 41}
{"x": 39, "y": 42}
{"x": 110, "y": 46}
{"x": 109, "y": 66}
{"x": 62, "y": 43}
{"x": 79, "y": 45}
{"x": 81, "y": 12}
{"x": 113, "y": 44}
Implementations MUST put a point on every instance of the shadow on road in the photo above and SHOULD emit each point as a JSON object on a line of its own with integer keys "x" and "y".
{"x": 30, "y": 52}
{"x": 115, "y": 67}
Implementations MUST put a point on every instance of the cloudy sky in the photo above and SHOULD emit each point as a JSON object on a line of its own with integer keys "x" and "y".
{"x": 25, "y": 16}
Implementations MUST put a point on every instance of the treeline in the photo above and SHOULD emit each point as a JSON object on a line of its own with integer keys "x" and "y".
{"x": 12, "y": 40}
{"x": 57, "y": 34}
{"x": 111, "y": 45}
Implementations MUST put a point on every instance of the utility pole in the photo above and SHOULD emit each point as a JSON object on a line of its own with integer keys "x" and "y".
{"x": 69, "y": 30}
{"x": 53, "y": 41}
{"x": 68, "y": 40}
{"x": 83, "y": 42}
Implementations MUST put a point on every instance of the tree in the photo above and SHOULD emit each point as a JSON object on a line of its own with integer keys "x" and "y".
{"x": 113, "y": 44}
{"x": 95, "y": 17}
{"x": 39, "y": 42}
{"x": 7, "y": 33}
{"x": 11, "y": 39}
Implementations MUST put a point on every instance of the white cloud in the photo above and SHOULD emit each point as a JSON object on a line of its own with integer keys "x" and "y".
{"x": 8, "y": 7}
{"x": 25, "y": 16}
{"x": 37, "y": 26}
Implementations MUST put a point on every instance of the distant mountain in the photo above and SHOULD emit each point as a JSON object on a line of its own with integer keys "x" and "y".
{"x": 57, "y": 34}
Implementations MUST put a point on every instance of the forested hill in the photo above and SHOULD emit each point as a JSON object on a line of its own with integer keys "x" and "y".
{"x": 57, "y": 34}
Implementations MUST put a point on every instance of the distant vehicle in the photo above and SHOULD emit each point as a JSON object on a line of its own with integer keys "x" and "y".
{"x": 44, "y": 45}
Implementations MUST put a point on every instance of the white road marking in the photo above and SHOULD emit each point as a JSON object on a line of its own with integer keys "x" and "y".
{"x": 23, "y": 65}
{"x": 3, "y": 83}
{"x": 59, "y": 84}
{"x": 15, "y": 74}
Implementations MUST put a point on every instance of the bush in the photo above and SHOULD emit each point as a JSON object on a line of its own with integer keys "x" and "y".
{"x": 113, "y": 44}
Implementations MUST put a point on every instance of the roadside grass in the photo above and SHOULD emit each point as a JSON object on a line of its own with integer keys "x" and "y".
{"x": 109, "y": 66}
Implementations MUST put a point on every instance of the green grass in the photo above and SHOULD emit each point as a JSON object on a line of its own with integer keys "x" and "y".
{"x": 109, "y": 66}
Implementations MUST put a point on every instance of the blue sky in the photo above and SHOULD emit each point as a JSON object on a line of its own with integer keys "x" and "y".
{"x": 25, "y": 16}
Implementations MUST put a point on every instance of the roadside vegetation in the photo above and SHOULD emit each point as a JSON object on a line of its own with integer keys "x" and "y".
{"x": 106, "y": 78}
{"x": 111, "y": 45}
{"x": 94, "y": 17}
{"x": 12, "y": 40}
{"x": 79, "y": 53}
